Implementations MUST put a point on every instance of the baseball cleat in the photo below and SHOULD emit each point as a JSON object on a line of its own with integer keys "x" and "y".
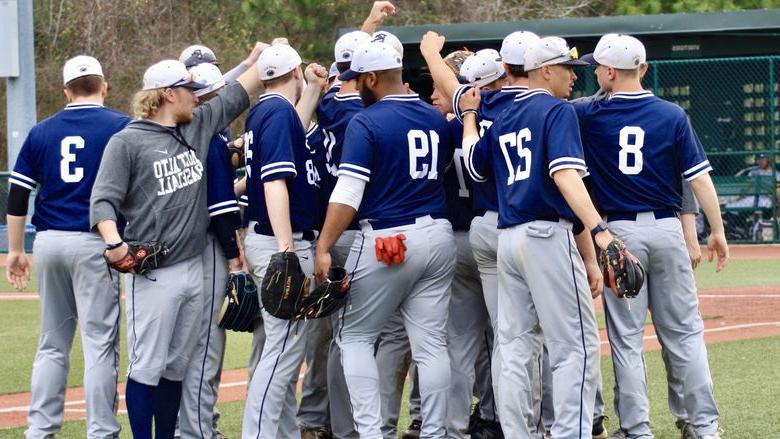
{"x": 413, "y": 432}
{"x": 599, "y": 432}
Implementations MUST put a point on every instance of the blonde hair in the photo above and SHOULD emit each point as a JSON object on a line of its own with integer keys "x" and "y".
{"x": 146, "y": 103}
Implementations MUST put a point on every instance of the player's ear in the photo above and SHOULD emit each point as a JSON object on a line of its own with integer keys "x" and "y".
{"x": 67, "y": 94}
{"x": 104, "y": 89}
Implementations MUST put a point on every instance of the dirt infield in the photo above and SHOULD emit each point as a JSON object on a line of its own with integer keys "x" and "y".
{"x": 735, "y": 314}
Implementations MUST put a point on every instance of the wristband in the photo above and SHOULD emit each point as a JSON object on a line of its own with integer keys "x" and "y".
{"x": 110, "y": 247}
{"x": 469, "y": 111}
{"x": 600, "y": 227}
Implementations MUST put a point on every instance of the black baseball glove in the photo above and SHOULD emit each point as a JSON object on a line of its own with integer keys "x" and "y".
{"x": 327, "y": 298}
{"x": 284, "y": 286}
{"x": 236, "y": 153}
{"x": 241, "y": 308}
{"x": 141, "y": 258}
{"x": 623, "y": 273}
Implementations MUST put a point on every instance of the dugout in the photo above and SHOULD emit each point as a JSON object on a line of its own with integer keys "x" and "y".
{"x": 722, "y": 68}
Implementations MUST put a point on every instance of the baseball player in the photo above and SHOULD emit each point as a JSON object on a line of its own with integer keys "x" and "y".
{"x": 402, "y": 210}
{"x": 642, "y": 144}
{"x": 483, "y": 231}
{"x": 60, "y": 158}
{"x": 281, "y": 188}
{"x": 152, "y": 174}
{"x": 534, "y": 153}
{"x": 201, "y": 381}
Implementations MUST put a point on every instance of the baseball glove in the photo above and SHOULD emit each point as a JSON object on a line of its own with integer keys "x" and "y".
{"x": 328, "y": 297}
{"x": 454, "y": 60}
{"x": 240, "y": 309}
{"x": 623, "y": 273}
{"x": 236, "y": 152}
{"x": 141, "y": 258}
{"x": 284, "y": 286}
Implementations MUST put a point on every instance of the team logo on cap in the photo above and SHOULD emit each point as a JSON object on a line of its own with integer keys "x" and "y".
{"x": 83, "y": 68}
{"x": 379, "y": 38}
{"x": 270, "y": 72}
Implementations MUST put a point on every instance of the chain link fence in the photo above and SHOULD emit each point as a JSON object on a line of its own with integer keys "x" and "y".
{"x": 734, "y": 105}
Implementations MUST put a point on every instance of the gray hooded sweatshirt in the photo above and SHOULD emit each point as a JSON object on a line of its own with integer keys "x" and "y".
{"x": 155, "y": 176}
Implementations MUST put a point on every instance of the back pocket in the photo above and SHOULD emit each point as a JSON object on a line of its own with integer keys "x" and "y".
{"x": 539, "y": 231}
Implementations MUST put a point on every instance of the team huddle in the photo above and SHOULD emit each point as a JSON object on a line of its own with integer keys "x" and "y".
{"x": 464, "y": 235}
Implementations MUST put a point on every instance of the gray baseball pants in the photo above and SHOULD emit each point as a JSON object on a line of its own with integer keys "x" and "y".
{"x": 74, "y": 287}
{"x": 419, "y": 287}
{"x": 271, "y": 405}
{"x": 669, "y": 293}
{"x": 545, "y": 298}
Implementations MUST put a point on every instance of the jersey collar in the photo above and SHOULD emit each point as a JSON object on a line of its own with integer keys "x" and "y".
{"x": 346, "y": 96}
{"x": 632, "y": 95}
{"x": 82, "y": 105}
{"x": 514, "y": 88}
{"x": 269, "y": 95}
{"x": 532, "y": 92}
{"x": 408, "y": 97}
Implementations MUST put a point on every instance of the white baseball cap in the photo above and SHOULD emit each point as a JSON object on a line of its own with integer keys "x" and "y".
{"x": 619, "y": 51}
{"x": 480, "y": 69}
{"x": 386, "y": 37}
{"x": 169, "y": 73}
{"x": 79, "y": 66}
{"x": 514, "y": 46}
{"x": 209, "y": 75}
{"x": 550, "y": 51}
{"x": 197, "y": 54}
{"x": 495, "y": 56}
{"x": 372, "y": 57}
{"x": 347, "y": 43}
{"x": 276, "y": 61}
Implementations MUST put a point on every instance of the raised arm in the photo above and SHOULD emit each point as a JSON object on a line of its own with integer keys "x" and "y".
{"x": 246, "y": 64}
{"x": 430, "y": 47}
{"x": 379, "y": 11}
{"x": 316, "y": 79}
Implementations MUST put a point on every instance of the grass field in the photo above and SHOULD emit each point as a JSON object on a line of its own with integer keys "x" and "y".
{"x": 746, "y": 373}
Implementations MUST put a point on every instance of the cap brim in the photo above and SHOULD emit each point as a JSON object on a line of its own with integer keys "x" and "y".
{"x": 192, "y": 85}
{"x": 589, "y": 59}
{"x": 575, "y": 62}
{"x": 348, "y": 75}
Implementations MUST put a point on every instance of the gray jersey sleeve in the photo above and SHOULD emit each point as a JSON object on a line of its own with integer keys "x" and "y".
{"x": 234, "y": 73}
{"x": 111, "y": 183}
{"x": 217, "y": 113}
{"x": 689, "y": 204}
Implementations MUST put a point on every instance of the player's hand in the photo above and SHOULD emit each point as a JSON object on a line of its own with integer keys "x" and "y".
{"x": 17, "y": 269}
{"x": 431, "y": 43}
{"x": 280, "y": 40}
{"x": 694, "y": 252}
{"x": 379, "y": 12}
{"x": 470, "y": 99}
{"x": 255, "y": 54}
{"x": 236, "y": 264}
{"x": 603, "y": 239}
{"x": 322, "y": 264}
{"x": 595, "y": 279}
{"x": 316, "y": 74}
{"x": 716, "y": 244}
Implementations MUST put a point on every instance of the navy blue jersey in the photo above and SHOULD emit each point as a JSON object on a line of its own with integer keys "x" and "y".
{"x": 536, "y": 137}
{"x": 61, "y": 156}
{"x": 333, "y": 115}
{"x": 492, "y": 103}
{"x": 400, "y": 147}
{"x": 220, "y": 195}
{"x": 637, "y": 146}
{"x": 275, "y": 144}
{"x": 457, "y": 184}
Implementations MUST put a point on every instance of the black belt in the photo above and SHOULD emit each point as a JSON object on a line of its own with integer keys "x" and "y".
{"x": 631, "y": 216}
{"x": 265, "y": 229}
{"x": 400, "y": 222}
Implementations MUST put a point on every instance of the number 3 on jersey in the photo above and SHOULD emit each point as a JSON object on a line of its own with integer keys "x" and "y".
{"x": 516, "y": 140}
{"x": 67, "y": 145}
{"x": 631, "y": 141}
{"x": 420, "y": 145}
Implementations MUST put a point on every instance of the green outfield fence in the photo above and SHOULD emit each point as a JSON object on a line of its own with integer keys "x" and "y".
{"x": 734, "y": 105}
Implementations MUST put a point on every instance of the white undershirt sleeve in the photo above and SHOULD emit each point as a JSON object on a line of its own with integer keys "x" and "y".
{"x": 349, "y": 190}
